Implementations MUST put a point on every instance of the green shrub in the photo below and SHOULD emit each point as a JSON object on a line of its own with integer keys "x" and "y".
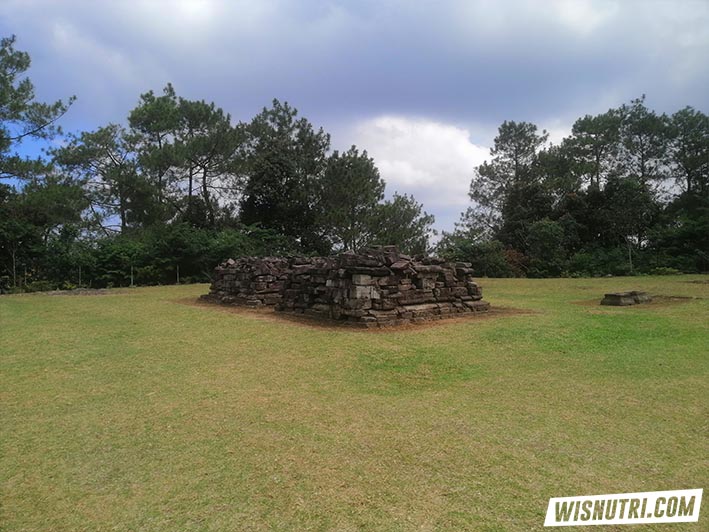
{"x": 39, "y": 286}
{"x": 663, "y": 270}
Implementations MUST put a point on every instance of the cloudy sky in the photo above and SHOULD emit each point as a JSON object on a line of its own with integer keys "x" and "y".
{"x": 422, "y": 85}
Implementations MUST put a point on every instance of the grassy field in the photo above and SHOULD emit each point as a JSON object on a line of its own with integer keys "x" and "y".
{"x": 136, "y": 411}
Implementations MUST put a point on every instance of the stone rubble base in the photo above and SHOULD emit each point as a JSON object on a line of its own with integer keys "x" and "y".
{"x": 375, "y": 287}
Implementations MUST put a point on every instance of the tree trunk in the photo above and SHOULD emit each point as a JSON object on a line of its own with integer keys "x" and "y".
{"x": 14, "y": 267}
{"x": 205, "y": 195}
{"x": 160, "y": 173}
{"x": 189, "y": 186}
{"x": 689, "y": 182}
{"x": 190, "y": 181}
{"x": 123, "y": 217}
{"x": 122, "y": 208}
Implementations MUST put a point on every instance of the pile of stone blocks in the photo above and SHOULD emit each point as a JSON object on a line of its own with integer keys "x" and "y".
{"x": 249, "y": 281}
{"x": 306, "y": 288}
{"x": 623, "y": 299}
{"x": 376, "y": 287}
{"x": 381, "y": 286}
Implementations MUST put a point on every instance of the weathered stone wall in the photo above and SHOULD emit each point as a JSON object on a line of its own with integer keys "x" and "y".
{"x": 250, "y": 281}
{"x": 381, "y": 287}
{"x": 376, "y": 287}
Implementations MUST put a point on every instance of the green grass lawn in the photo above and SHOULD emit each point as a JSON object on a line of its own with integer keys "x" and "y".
{"x": 135, "y": 411}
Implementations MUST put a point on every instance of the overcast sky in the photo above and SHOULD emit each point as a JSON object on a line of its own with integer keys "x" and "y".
{"x": 422, "y": 85}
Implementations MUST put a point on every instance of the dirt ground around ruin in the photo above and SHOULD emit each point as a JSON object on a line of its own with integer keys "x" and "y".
{"x": 75, "y": 292}
{"x": 269, "y": 314}
{"x": 658, "y": 301}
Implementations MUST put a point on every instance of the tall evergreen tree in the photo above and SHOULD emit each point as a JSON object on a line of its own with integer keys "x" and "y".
{"x": 689, "y": 150}
{"x": 513, "y": 157}
{"x": 154, "y": 123}
{"x": 286, "y": 159}
{"x": 191, "y": 154}
{"x": 104, "y": 162}
{"x": 208, "y": 148}
{"x": 593, "y": 146}
{"x": 643, "y": 143}
{"x": 351, "y": 190}
{"x": 21, "y": 115}
{"x": 402, "y": 222}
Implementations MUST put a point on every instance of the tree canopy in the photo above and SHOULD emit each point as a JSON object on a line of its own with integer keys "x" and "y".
{"x": 614, "y": 197}
{"x": 178, "y": 185}
{"x": 21, "y": 115}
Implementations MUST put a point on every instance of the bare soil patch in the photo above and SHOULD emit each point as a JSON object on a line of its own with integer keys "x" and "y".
{"x": 269, "y": 314}
{"x": 76, "y": 292}
{"x": 657, "y": 301}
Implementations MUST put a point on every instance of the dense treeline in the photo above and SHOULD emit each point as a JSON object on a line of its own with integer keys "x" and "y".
{"x": 178, "y": 187}
{"x": 175, "y": 190}
{"x": 626, "y": 192}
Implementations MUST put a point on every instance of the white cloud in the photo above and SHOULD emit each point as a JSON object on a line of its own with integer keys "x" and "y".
{"x": 431, "y": 160}
{"x": 584, "y": 16}
{"x": 558, "y": 130}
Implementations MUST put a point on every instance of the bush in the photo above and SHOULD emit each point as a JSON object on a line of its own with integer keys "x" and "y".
{"x": 601, "y": 261}
{"x": 5, "y": 284}
{"x": 663, "y": 270}
{"x": 39, "y": 286}
{"x": 546, "y": 249}
{"x": 488, "y": 259}
{"x": 517, "y": 263}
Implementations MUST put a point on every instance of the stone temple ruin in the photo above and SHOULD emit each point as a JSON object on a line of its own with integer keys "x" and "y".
{"x": 376, "y": 287}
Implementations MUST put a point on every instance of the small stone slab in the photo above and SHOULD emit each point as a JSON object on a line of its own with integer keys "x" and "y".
{"x": 624, "y": 299}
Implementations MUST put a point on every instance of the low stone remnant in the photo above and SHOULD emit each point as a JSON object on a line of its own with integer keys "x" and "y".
{"x": 381, "y": 286}
{"x": 376, "y": 287}
{"x": 250, "y": 281}
{"x": 623, "y": 299}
